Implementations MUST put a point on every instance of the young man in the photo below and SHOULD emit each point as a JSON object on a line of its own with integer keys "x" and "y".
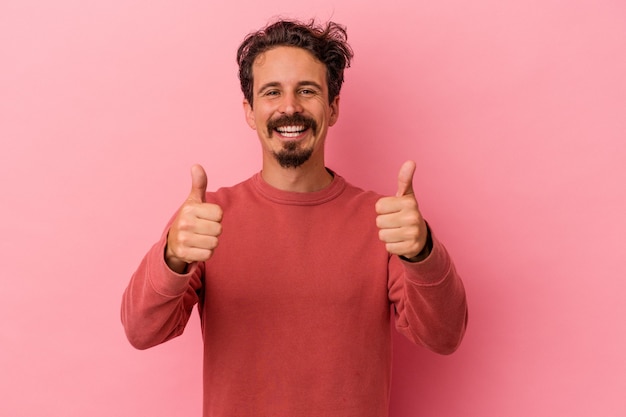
{"x": 294, "y": 271}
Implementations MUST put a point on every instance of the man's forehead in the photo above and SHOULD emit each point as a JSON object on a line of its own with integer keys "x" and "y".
{"x": 282, "y": 52}
{"x": 281, "y": 63}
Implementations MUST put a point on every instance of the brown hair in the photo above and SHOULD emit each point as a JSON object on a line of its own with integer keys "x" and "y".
{"x": 328, "y": 44}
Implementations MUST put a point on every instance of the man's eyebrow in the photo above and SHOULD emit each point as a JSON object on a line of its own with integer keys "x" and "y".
{"x": 268, "y": 85}
{"x": 300, "y": 84}
{"x": 310, "y": 83}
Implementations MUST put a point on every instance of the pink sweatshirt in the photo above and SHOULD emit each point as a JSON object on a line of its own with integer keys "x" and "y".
{"x": 295, "y": 304}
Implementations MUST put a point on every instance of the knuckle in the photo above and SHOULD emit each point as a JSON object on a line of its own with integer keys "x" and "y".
{"x": 186, "y": 210}
{"x": 379, "y": 222}
{"x": 217, "y": 212}
{"x": 181, "y": 253}
{"x": 380, "y": 206}
{"x": 212, "y": 243}
{"x": 183, "y": 240}
{"x": 173, "y": 240}
{"x": 184, "y": 223}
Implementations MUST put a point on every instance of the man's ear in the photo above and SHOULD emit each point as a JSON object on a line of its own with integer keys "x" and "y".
{"x": 334, "y": 111}
{"x": 247, "y": 109}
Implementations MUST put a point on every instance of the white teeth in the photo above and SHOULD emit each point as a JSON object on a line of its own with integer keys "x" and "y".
{"x": 290, "y": 129}
{"x": 290, "y": 134}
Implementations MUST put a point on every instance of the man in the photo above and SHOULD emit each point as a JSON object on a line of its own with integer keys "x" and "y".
{"x": 294, "y": 270}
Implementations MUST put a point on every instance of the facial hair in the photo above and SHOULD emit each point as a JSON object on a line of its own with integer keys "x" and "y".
{"x": 292, "y": 155}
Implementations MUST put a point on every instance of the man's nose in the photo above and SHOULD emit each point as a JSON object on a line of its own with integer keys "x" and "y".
{"x": 291, "y": 104}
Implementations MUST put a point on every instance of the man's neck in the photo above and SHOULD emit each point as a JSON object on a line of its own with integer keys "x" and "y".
{"x": 306, "y": 178}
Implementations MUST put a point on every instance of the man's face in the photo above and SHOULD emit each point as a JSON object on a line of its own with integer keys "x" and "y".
{"x": 290, "y": 111}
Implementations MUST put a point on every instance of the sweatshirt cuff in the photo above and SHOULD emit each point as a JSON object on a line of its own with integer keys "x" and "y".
{"x": 432, "y": 270}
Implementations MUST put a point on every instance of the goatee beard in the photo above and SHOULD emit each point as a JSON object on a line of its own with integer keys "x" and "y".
{"x": 291, "y": 156}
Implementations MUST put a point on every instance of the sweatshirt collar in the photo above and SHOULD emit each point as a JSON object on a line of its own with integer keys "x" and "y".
{"x": 330, "y": 192}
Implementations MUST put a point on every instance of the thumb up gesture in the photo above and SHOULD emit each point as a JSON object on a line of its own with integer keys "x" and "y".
{"x": 400, "y": 223}
{"x": 193, "y": 234}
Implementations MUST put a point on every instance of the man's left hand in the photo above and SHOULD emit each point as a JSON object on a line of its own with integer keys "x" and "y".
{"x": 402, "y": 227}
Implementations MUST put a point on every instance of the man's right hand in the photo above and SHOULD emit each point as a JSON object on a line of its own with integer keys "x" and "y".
{"x": 193, "y": 236}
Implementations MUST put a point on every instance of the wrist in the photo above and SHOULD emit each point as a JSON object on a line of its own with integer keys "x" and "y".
{"x": 173, "y": 262}
{"x": 423, "y": 254}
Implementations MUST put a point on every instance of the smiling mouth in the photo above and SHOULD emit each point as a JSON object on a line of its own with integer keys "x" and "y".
{"x": 291, "y": 126}
{"x": 291, "y": 131}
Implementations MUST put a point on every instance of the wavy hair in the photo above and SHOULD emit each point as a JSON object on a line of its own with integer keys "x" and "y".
{"x": 326, "y": 43}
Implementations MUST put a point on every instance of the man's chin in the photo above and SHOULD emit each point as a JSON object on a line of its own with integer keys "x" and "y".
{"x": 293, "y": 158}
{"x": 291, "y": 146}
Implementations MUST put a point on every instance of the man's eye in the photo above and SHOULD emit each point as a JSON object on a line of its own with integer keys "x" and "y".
{"x": 307, "y": 92}
{"x": 271, "y": 93}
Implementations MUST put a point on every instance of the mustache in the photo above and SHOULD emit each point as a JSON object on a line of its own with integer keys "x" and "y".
{"x": 291, "y": 120}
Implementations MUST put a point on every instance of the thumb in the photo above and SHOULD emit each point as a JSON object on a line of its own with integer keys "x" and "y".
{"x": 198, "y": 184}
{"x": 405, "y": 179}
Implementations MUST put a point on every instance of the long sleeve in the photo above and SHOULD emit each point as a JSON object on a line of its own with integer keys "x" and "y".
{"x": 295, "y": 303}
{"x": 429, "y": 300}
{"x": 157, "y": 303}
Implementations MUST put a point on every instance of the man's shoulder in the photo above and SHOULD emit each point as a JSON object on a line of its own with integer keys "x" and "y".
{"x": 228, "y": 192}
{"x": 357, "y": 192}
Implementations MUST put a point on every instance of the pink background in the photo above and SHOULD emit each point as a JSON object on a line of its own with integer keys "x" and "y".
{"x": 514, "y": 111}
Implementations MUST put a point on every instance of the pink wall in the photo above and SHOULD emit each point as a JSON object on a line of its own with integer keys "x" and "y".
{"x": 515, "y": 112}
